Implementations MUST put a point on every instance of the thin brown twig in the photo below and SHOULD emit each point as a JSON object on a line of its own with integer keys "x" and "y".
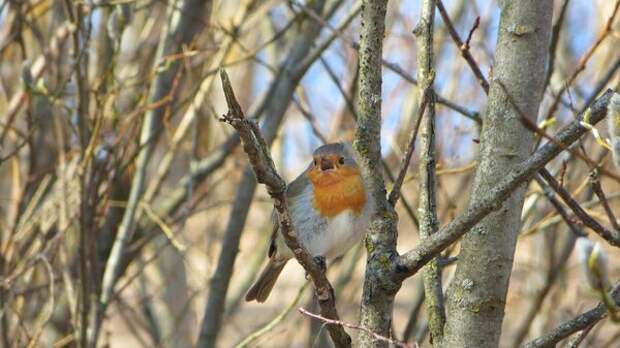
{"x": 582, "y": 335}
{"x": 550, "y": 194}
{"x": 333, "y": 322}
{"x": 611, "y": 237}
{"x": 258, "y": 154}
{"x": 394, "y": 67}
{"x": 526, "y": 122}
{"x": 578, "y": 323}
{"x": 464, "y": 47}
{"x": 583, "y": 61}
{"x": 395, "y": 193}
{"x": 471, "y": 32}
{"x": 595, "y": 182}
{"x": 555, "y": 39}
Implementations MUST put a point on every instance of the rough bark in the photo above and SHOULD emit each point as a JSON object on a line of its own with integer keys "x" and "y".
{"x": 476, "y": 296}
{"x": 427, "y": 208}
{"x": 379, "y": 289}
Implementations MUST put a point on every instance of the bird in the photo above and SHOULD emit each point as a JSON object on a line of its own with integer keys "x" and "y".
{"x": 330, "y": 209}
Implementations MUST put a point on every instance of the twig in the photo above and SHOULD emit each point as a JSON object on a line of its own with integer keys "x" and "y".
{"x": 555, "y": 39}
{"x": 603, "y": 82}
{"x": 578, "y": 323}
{"x": 395, "y": 68}
{"x": 410, "y": 262}
{"x": 550, "y": 194}
{"x": 274, "y": 322}
{"x": 356, "y": 327}
{"x": 583, "y": 61}
{"x": 471, "y": 32}
{"x": 611, "y": 237}
{"x": 174, "y": 36}
{"x": 526, "y": 122}
{"x": 256, "y": 148}
{"x": 464, "y": 47}
{"x": 595, "y": 182}
{"x": 582, "y": 335}
{"x": 38, "y": 67}
{"x": 404, "y": 166}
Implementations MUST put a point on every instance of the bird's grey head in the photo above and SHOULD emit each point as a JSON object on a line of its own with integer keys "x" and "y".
{"x": 330, "y": 156}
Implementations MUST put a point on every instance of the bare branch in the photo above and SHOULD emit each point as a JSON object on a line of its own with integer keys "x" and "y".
{"x": 611, "y": 237}
{"x": 578, "y": 323}
{"x": 410, "y": 262}
{"x": 427, "y": 203}
{"x": 595, "y": 183}
{"x": 404, "y": 163}
{"x": 356, "y": 327}
{"x": 258, "y": 154}
{"x": 464, "y": 47}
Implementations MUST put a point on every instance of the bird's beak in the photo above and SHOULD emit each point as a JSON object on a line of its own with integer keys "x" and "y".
{"x": 326, "y": 164}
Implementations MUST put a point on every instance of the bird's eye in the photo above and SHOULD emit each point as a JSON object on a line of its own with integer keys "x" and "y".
{"x": 341, "y": 160}
{"x": 315, "y": 161}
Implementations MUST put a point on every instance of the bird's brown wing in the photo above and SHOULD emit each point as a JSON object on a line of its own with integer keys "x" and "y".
{"x": 294, "y": 189}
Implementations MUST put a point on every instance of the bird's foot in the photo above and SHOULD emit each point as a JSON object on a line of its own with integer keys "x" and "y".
{"x": 320, "y": 261}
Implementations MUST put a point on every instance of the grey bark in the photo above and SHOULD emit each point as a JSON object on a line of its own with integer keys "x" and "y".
{"x": 477, "y": 295}
{"x": 379, "y": 289}
{"x": 427, "y": 208}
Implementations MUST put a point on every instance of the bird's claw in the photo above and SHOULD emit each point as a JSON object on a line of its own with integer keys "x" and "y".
{"x": 320, "y": 261}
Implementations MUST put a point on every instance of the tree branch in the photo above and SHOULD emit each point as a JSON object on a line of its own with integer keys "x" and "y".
{"x": 578, "y": 323}
{"x": 379, "y": 288}
{"x": 260, "y": 159}
{"x": 464, "y": 47}
{"x": 410, "y": 262}
{"x": 610, "y": 236}
{"x": 427, "y": 205}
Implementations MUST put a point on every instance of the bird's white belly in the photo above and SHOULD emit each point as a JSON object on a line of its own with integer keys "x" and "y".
{"x": 339, "y": 235}
{"x": 327, "y": 237}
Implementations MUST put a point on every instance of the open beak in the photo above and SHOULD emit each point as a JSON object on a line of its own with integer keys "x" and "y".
{"x": 326, "y": 164}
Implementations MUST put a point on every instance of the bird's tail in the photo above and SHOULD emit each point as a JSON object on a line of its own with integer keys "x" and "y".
{"x": 265, "y": 282}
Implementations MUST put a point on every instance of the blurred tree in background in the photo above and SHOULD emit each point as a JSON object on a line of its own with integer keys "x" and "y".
{"x": 129, "y": 216}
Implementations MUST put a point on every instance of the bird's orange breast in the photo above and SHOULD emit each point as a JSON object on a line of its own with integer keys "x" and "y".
{"x": 338, "y": 191}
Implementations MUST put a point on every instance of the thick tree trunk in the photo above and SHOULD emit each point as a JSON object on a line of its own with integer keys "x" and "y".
{"x": 477, "y": 295}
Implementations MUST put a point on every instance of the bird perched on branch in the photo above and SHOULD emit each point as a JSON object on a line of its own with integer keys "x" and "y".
{"x": 330, "y": 210}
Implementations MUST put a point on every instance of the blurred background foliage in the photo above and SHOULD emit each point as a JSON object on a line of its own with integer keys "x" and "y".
{"x": 119, "y": 187}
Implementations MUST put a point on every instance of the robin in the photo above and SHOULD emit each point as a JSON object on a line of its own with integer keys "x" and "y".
{"x": 330, "y": 210}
